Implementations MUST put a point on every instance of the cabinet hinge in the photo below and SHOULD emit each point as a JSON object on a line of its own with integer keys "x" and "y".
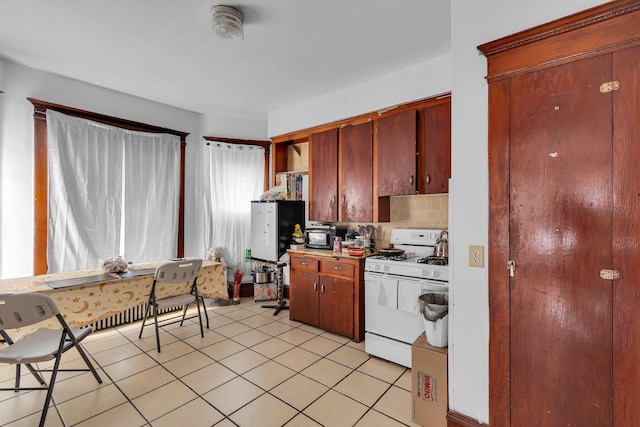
{"x": 610, "y": 274}
{"x": 609, "y": 86}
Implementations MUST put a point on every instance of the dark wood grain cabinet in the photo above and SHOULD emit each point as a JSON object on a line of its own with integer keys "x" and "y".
{"x": 434, "y": 149}
{"x": 564, "y": 149}
{"x": 395, "y": 154}
{"x": 328, "y": 293}
{"x": 357, "y": 165}
{"x": 355, "y": 177}
{"x": 323, "y": 176}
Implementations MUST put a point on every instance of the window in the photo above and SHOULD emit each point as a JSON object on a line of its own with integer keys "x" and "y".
{"x": 235, "y": 174}
{"x": 41, "y": 175}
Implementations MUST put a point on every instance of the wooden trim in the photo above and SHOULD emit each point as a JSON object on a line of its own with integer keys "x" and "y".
{"x": 591, "y": 32}
{"x": 264, "y": 144}
{"x": 40, "y": 190}
{"x": 304, "y": 134}
{"x": 456, "y": 419}
{"x": 102, "y": 118}
{"x": 499, "y": 320}
{"x": 40, "y": 180}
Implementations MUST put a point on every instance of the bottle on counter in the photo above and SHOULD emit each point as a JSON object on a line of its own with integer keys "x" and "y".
{"x": 337, "y": 246}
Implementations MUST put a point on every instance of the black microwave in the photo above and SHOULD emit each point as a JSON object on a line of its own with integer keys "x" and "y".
{"x": 323, "y": 237}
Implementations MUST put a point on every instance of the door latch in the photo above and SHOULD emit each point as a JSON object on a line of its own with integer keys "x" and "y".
{"x": 511, "y": 266}
{"x": 610, "y": 274}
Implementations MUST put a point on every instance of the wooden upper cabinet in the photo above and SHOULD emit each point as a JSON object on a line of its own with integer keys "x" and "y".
{"x": 323, "y": 176}
{"x": 395, "y": 154}
{"x": 355, "y": 179}
{"x": 434, "y": 149}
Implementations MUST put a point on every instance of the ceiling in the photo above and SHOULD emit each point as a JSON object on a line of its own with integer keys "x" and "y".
{"x": 166, "y": 51}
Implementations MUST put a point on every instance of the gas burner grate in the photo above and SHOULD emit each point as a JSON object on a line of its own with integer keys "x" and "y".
{"x": 434, "y": 260}
{"x": 402, "y": 257}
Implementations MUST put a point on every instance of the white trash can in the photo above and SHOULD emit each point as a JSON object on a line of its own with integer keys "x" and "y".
{"x": 434, "y": 308}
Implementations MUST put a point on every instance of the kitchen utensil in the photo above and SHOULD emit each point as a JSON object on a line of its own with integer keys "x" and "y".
{"x": 441, "y": 248}
{"x": 391, "y": 251}
{"x": 263, "y": 275}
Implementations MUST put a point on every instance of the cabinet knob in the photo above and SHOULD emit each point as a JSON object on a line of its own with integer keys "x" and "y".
{"x": 304, "y": 263}
{"x": 411, "y": 180}
{"x": 344, "y": 199}
{"x": 337, "y": 267}
{"x": 322, "y": 289}
{"x": 428, "y": 179}
{"x": 315, "y": 286}
{"x": 333, "y": 200}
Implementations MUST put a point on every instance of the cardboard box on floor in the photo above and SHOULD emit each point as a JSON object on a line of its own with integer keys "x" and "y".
{"x": 429, "y": 389}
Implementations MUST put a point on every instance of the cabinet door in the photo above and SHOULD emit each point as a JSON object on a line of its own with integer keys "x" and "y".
{"x": 323, "y": 176}
{"x": 395, "y": 154}
{"x": 336, "y": 305}
{"x": 356, "y": 173}
{"x": 303, "y": 296}
{"x": 561, "y": 318}
{"x": 434, "y": 149}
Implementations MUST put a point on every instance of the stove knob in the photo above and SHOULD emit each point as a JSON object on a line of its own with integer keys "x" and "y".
{"x": 377, "y": 267}
{"x": 386, "y": 268}
{"x": 427, "y": 273}
{"x": 436, "y": 274}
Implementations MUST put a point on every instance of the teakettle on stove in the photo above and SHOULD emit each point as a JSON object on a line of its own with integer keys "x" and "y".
{"x": 441, "y": 248}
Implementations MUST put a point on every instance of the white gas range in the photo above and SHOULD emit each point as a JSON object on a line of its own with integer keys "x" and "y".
{"x": 392, "y": 286}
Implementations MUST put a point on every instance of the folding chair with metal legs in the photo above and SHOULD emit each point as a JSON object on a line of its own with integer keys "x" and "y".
{"x": 22, "y": 310}
{"x": 175, "y": 273}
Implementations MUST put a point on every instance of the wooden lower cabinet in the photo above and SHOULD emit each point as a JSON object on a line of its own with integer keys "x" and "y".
{"x": 303, "y": 296}
{"x": 328, "y": 292}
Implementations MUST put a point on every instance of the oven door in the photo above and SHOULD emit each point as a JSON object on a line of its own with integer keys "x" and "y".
{"x": 391, "y": 305}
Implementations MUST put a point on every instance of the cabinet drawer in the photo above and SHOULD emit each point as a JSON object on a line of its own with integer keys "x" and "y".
{"x": 304, "y": 264}
{"x": 337, "y": 268}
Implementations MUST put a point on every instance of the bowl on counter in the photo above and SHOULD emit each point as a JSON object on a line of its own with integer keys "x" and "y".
{"x": 356, "y": 251}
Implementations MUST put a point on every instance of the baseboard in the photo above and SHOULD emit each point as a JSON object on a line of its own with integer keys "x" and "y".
{"x": 246, "y": 290}
{"x": 456, "y": 419}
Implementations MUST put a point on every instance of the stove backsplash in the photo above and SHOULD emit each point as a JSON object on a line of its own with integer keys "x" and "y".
{"x": 430, "y": 211}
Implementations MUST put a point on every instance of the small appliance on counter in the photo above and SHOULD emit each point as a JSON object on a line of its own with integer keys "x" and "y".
{"x": 323, "y": 236}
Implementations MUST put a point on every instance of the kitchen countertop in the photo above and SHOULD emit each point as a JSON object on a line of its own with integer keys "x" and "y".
{"x": 328, "y": 253}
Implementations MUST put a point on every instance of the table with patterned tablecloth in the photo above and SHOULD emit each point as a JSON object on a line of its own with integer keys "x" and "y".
{"x": 85, "y": 304}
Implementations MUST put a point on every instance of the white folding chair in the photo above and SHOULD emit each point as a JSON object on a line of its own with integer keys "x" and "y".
{"x": 22, "y": 310}
{"x": 174, "y": 272}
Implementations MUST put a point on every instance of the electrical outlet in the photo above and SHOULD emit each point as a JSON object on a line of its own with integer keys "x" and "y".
{"x": 476, "y": 256}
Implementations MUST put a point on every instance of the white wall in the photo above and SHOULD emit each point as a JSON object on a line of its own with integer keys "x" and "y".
{"x": 420, "y": 81}
{"x": 16, "y": 151}
{"x": 474, "y": 23}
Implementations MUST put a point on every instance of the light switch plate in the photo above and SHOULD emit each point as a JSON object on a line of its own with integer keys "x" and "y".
{"x": 476, "y": 256}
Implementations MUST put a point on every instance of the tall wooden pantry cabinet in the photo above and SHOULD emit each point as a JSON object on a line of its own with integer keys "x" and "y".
{"x": 564, "y": 247}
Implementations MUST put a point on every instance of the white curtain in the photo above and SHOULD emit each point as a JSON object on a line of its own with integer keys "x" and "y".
{"x": 84, "y": 198}
{"x": 152, "y": 194}
{"x": 87, "y": 183}
{"x": 234, "y": 176}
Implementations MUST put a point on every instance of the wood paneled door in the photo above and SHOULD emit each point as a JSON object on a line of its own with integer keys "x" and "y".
{"x": 564, "y": 221}
{"x": 561, "y": 205}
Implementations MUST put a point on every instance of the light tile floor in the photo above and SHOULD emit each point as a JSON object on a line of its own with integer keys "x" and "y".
{"x": 251, "y": 369}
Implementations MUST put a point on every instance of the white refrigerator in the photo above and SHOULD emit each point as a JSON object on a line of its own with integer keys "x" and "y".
{"x": 272, "y": 226}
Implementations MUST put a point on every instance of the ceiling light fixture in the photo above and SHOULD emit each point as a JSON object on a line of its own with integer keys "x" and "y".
{"x": 227, "y": 22}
